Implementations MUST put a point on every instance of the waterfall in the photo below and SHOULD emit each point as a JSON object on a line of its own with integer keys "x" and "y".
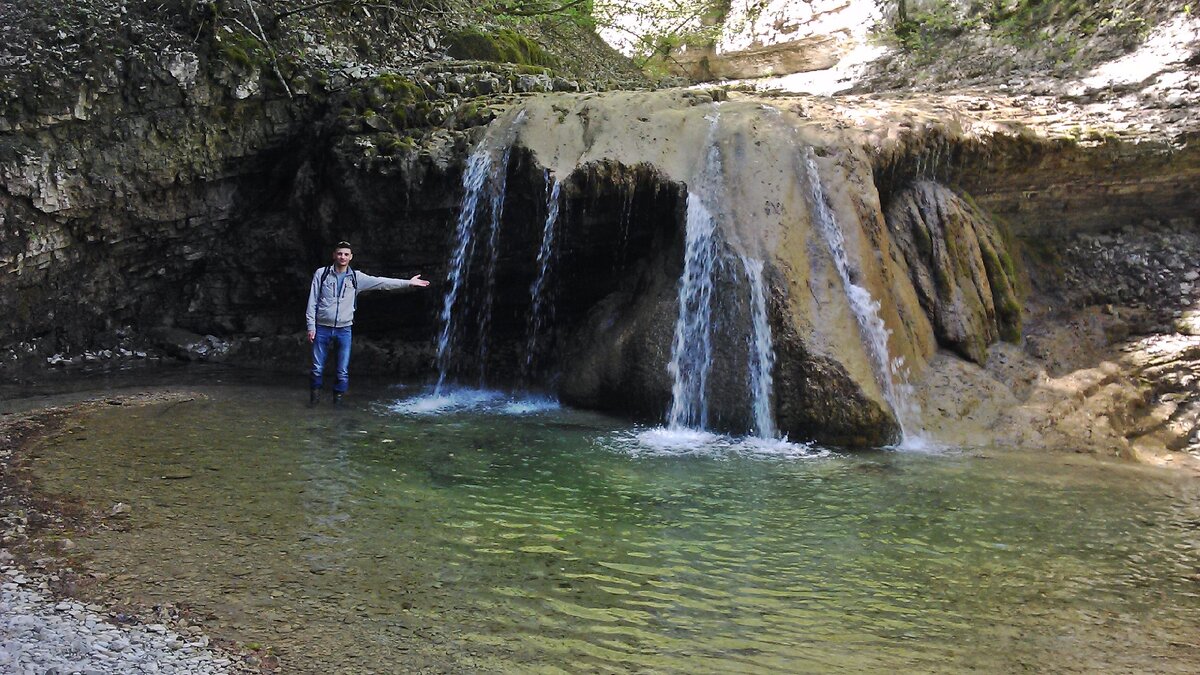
{"x": 691, "y": 348}
{"x": 482, "y": 169}
{"x": 474, "y": 177}
{"x": 539, "y": 309}
{"x": 499, "y": 188}
{"x": 762, "y": 352}
{"x": 626, "y": 220}
{"x": 873, "y": 331}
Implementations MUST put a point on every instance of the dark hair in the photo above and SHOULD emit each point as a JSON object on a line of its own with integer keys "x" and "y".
{"x": 343, "y": 244}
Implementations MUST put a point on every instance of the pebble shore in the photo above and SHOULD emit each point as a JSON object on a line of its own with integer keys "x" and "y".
{"x": 40, "y": 635}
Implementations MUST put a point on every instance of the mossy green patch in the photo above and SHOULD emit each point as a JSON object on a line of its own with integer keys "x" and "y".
{"x": 1001, "y": 277}
{"x": 395, "y": 144}
{"x": 501, "y": 46}
{"x": 388, "y": 100}
{"x": 241, "y": 50}
{"x": 398, "y": 88}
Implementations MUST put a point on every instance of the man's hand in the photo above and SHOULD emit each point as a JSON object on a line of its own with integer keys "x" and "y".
{"x": 418, "y": 281}
{"x": 312, "y": 335}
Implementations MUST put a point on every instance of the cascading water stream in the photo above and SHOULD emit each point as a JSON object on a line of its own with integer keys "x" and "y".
{"x": 539, "y": 308}
{"x": 474, "y": 177}
{"x": 762, "y": 352}
{"x": 499, "y": 187}
{"x": 691, "y": 348}
{"x": 482, "y": 169}
{"x": 873, "y": 331}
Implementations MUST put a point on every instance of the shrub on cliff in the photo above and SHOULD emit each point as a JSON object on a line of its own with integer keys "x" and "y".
{"x": 502, "y": 46}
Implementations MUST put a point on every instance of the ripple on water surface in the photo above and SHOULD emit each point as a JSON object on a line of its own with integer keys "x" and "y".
{"x": 473, "y": 536}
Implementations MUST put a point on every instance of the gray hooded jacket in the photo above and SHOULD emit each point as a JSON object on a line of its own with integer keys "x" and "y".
{"x": 334, "y": 307}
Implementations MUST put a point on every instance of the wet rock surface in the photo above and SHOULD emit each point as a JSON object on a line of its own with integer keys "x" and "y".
{"x": 960, "y": 266}
{"x": 1109, "y": 360}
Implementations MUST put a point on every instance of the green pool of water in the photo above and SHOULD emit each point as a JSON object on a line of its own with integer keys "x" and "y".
{"x": 521, "y": 539}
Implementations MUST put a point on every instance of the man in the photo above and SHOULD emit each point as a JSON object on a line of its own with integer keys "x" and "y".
{"x": 330, "y": 314}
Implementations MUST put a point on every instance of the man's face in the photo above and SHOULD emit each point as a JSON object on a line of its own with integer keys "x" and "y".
{"x": 342, "y": 256}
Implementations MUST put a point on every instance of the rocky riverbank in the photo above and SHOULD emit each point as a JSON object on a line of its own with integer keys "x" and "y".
{"x": 43, "y": 634}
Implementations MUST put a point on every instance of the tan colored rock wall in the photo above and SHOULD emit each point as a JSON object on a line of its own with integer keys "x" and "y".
{"x": 778, "y": 37}
{"x": 766, "y": 211}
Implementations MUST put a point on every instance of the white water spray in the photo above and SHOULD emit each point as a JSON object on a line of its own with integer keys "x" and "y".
{"x": 478, "y": 166}
{"x": 481, "y": 166}
{"x": 499, "y": 188}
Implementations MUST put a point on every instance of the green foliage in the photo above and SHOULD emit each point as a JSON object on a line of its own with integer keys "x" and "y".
{"x": 395, "y": 144}
{"x": 516, "y": 12}
{"x": 501, "y": 46}
{"x": 920, "y": 30}
{"x": 1023, "y": 23}
{"x": 241, "y": 50}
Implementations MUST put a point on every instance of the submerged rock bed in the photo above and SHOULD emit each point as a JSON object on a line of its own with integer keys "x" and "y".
{"x": 49, "y": 621}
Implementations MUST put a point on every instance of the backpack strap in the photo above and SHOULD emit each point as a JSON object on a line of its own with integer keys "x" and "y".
{"x": 321, "y": 286}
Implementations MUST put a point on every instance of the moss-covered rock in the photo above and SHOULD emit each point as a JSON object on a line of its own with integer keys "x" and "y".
{"x": 501, "y": 46}
{"x": 959, "y": 264}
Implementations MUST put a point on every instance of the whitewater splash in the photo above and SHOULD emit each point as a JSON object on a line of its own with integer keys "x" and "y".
{"x": 664, "y": 442}
{"x": 499, "y": 188}
{"x": 762, "y": 353}
{"x": 483, "y": 169}
{"x": 467, "y": 400}
{"x": 692, "y": 343}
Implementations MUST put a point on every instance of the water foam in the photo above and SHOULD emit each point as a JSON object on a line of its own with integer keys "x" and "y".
{"x": 467, "y": 400}
{"x": 683, "y": 442}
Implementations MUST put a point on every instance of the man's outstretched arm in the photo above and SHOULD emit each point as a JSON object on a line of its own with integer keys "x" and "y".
{"x": 366, "y": 282}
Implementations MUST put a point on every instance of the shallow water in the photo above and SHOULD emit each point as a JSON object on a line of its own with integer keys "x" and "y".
{"x": 497, "y": 534}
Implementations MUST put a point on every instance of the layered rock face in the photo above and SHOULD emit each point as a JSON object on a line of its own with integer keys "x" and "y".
{"x": 172, "y": 196}
{"x": 115, "y": 196}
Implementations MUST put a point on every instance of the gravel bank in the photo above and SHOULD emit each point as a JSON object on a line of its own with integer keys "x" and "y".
{"x": 44, "y": 636}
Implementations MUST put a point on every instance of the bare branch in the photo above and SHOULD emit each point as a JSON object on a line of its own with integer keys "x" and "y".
{"x": 270, "y": 50}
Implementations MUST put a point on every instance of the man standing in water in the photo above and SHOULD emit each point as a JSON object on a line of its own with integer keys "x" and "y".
{"x": 330, "y": 314}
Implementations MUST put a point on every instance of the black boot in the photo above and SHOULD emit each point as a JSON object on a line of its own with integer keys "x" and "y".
{"x": 314, "y": 396}
{"x": 337, "y": 398}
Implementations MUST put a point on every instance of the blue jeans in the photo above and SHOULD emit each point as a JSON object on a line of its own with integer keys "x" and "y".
{"x": 341, "y": 336}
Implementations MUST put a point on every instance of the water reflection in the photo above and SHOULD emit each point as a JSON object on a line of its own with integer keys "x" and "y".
{"x": 478, "y": 539}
